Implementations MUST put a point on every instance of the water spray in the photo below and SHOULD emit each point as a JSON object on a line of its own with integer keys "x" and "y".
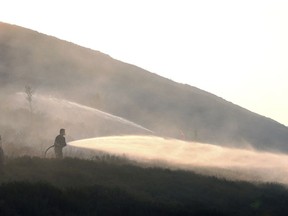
{"x": 240, "y": 164}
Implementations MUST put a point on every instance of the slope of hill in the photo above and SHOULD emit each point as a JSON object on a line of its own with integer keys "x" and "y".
{"x": 35, "y": 130}
{"x": 107, "y": 187}
{"x": 65, "y": 70}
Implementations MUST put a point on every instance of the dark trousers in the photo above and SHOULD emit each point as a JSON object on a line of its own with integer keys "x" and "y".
{"x": 58, "y": 152}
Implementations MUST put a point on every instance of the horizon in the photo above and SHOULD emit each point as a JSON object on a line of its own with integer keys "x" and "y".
{"x": 199, "y": 45}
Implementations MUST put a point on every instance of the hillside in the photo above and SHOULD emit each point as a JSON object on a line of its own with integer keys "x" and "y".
{"x": 27, "y": 133}
{"x": 34, "y": 186}
{"x": 91, "y": 78}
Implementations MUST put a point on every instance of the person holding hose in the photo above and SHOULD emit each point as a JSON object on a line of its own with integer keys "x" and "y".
{"x": 59, "y": 144}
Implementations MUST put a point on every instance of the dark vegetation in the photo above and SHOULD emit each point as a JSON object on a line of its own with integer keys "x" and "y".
{"x": 35, "y": 186}
{"x": 65, "y": 70}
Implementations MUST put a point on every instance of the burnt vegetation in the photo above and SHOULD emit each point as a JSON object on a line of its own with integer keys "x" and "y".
{"x": 113, "y": 186}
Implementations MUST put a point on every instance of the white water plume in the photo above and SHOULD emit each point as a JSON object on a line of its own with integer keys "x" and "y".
{"x": 67, "y": 109}
{"x": 241, "y": 164}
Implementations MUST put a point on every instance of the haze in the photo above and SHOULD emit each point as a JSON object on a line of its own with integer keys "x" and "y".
{"x": 234, "y": 49}
{"x": 231, "y": 163}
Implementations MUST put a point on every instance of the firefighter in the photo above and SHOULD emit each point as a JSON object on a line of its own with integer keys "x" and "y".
{"x": 59, "y": 144}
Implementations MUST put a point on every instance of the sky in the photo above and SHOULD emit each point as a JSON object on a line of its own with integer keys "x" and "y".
{"x": 235, "y": 49}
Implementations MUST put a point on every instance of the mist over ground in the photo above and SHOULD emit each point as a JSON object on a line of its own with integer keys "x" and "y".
{"x": 30, "y": 132}
{"x": 231, "y": 163}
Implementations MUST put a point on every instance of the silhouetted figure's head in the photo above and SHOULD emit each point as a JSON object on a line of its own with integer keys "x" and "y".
{"x": 62, "y": 132}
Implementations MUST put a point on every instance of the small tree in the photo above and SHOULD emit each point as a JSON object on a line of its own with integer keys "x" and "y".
{"x": 29, "y": 96}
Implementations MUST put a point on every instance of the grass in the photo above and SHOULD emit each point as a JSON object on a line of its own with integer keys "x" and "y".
{"x": 71, "y": 186}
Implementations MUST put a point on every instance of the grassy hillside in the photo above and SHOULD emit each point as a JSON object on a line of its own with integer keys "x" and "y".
{"x": 35, "y": 186}
{"x": 65, "y": 70}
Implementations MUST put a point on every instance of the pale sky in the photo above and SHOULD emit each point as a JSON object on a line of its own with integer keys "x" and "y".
{"x": 235, "y": 49}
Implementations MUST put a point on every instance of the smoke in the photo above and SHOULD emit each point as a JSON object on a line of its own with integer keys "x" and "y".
{"x": 28, "y": 131}
{"x": 91, "y": 78}
{"x": 231, "y": 163}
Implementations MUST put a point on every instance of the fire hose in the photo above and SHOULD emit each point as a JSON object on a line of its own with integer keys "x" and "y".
{"x": 48, "y": 150}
